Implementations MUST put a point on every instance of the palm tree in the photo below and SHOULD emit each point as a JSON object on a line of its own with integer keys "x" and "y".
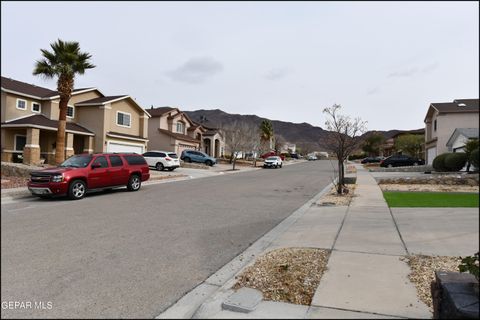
{"x": 64, "y": 62}
{"x": 266, "y": 132}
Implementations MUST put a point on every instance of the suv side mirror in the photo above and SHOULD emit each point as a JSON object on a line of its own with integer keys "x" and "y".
{"x": 96, "y": 165}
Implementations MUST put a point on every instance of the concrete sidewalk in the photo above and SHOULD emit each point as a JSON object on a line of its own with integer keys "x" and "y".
{"x": 365, "y": 276}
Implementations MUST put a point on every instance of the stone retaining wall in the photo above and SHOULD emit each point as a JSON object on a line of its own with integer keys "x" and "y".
{"x": 464, "y": 179}
{"x": 403, "y": 169}
{"x": 10, "y": 169}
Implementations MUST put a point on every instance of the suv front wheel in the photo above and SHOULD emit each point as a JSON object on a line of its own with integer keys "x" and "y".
{"x": 134, "y": 183}
{"x": 77, "y": 190}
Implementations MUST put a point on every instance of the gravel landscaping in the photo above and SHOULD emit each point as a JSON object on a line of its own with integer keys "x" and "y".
{"x": 334, "y": 199}
{"x": 423, "y": 273}
{"x": 289, "y": 275}
{"x": 13, "y": 182}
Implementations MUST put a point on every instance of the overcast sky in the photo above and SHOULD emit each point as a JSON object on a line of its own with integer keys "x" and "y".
{"x": 383, "y": 62}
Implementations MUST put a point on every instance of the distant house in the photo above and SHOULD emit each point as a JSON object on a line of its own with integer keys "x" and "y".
{"x": 388, "y": 147}
{"x": 95, "y": 123}
{"x": 460, "y": 137}
{"x": 443, "y": 119}
{"x": 172, "y": 130}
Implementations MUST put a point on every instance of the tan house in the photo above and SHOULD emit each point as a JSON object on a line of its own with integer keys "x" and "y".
{"x": 441, "y": 121}
{"x": 170, "y": 129}
{"x": 95, "y": 123}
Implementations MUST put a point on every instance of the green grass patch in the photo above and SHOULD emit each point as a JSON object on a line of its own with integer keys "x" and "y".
{"x": 431, "y": 199}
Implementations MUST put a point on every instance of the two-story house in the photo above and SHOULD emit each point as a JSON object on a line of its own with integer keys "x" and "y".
{"x": 441, "y": 121}
{"x": 170, "y": 129}
{"x": 95, "y": 123}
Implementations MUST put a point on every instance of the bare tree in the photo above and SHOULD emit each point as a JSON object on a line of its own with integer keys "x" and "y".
{"x": 279, "y": 143}
{"x": 343, "y": 138}
{"x": 237, "y": 139}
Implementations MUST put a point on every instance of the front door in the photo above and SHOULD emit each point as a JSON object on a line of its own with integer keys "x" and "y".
{"x": 99, "y": 177}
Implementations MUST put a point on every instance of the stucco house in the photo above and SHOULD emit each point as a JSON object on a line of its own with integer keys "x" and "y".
{"x": 460, "y": 137}
{"x": 170, "y": 129}
{"x": 95, "y": 123}
{"x": 441, "y": 121}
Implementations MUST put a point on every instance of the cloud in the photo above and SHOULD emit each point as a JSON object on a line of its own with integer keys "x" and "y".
{"x": 404, "y": 73}
{"x": 196, "y": 70}
{"x": 414, "y": 70}
{"x": 429, "y": 68}
{"x": 373, "y": 91}
{"x": 277, "y": 74}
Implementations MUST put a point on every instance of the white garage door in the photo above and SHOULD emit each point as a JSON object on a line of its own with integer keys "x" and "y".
{"x": 431, "y": 154}
{"x": 118, "y": 147}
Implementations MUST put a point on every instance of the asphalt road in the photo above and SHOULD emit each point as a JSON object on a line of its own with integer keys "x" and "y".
{"x": 122, "y": 254}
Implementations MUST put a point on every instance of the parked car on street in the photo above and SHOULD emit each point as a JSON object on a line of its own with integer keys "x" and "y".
{"x": 312, "y": 157}
{"x": 273, "y": 162}
{"x": 87, "y": 172}
{"x": 197, "y": 156}
{"x": 400, "y": 161}
{"x": 294, "y": 155}
{"x": 162, "y": 160}
{"x": 371, "y": 160}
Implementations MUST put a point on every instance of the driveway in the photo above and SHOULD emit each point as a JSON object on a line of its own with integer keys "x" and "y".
{"x": 130, "y": 255}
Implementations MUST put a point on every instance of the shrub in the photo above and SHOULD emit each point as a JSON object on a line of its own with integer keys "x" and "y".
{"x": 474, "y": 159}
{"x": 357, "y": 156}
{"x": 439, "y": 162}
{"x": 455, "y": 161}
{"x": 470, "y": 264}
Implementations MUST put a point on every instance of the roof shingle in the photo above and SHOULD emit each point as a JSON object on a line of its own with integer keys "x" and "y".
{"x": 41, "y": 120}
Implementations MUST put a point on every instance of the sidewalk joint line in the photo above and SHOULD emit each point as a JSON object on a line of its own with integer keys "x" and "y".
{"x": 366, "y": 252}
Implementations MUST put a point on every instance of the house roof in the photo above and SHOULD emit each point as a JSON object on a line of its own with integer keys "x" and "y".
{"x": 457, "y": 106}
{"x": 41, "y": 121}
{"x": 468, "y": 133}
{"x": 127, "y": 136}
{"x": 26, "y": 88}
{"x": 101, "y": 100}
{"x": 157, "y": 112}
{"x": 179, "y": 136}
{"x": 31, "y": 90}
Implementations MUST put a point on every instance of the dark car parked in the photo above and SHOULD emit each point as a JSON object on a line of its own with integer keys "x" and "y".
{"x": 85, "y": 172}
{"x": 372, "y": 160}
{"x": 401, "y": 161}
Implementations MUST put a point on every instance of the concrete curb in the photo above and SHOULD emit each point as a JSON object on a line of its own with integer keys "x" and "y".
{"x": 187, "y": 306}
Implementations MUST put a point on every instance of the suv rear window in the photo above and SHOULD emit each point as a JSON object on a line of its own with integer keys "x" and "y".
{"x": 173, "y": 155}
{"x": 132, "y": 160}
{"x": 116, "y": 161}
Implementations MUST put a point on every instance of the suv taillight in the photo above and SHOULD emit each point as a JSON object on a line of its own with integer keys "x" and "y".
{"x": 168, "y": 159}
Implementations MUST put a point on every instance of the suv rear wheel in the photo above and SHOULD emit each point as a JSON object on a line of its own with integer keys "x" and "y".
{"x": 159, "y": 166}
{"x": 390, "y": 166}
{"x": 209, "y": 163}
{"x": 77, "y": 190}
{"x": 134, "y": 182}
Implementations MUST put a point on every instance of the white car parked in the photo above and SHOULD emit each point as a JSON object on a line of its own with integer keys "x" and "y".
{"x": 162, "y": 160}
{"x": 273, "y": 162}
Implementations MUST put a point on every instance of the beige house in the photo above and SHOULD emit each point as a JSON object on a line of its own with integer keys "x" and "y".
{"x": 170, "y": 129}
{"x": 441, "y": 121}
{"x": 95, "y": 123}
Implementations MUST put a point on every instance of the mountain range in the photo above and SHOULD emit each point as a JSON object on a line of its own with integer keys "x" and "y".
{"x": 302, "y": 134}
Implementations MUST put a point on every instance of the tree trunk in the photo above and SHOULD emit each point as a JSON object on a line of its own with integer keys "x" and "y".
{"x": 340, "y": 177}
{"x": 234, "y": 161}
{"x": 62, "y": 124}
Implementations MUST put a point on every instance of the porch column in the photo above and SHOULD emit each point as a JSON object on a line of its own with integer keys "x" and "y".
{"x": 68, "y": 145}
{"x": 88, "y": 144}
{"x": 31, "y": 151}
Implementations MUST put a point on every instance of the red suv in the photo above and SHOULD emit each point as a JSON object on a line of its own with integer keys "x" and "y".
{"x": 81, "y": 173}
{"x": 272, "y": 154}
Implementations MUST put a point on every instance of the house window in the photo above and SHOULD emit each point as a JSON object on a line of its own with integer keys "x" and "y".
{"x": 180, "y": 127}
{"x": 36, "y": 107}
{"x": 20, "y": 142}
{"x": 70, "y": 112}
{"x": 435, "y": 125}
{"x": 21, "y": 104}
{"x": 123, "y": 119}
